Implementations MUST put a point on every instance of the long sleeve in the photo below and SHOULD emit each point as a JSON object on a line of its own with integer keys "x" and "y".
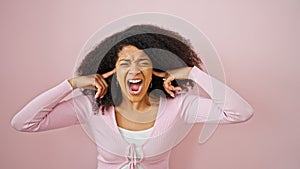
{"x": 47, "y": 111}
{"x": 224, "y": 104}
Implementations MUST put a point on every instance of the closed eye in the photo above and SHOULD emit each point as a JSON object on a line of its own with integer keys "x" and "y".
{"x": 124, "y": 64}
{"x": 145, "y": 63}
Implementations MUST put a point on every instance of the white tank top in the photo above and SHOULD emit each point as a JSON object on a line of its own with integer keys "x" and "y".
{"x": 137, "y": 138}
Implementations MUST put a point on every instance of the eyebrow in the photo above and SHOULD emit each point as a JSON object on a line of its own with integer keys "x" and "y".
{"x": 127, "y": 60}
{"x": 140, "y": 59}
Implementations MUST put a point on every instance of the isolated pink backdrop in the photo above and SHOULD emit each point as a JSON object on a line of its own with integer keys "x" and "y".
{"x": 258, "y": 42}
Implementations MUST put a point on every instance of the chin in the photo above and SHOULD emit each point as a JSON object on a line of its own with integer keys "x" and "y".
{"x": 136, "y": 98}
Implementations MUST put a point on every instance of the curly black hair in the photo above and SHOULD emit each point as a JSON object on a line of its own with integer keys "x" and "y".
{"x": 167, "y": 50}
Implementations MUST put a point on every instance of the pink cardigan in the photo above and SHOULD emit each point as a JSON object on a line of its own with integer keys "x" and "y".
{"x": 175, "y": 118}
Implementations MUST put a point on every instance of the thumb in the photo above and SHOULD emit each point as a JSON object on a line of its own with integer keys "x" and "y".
{"x": 107, "y": 74}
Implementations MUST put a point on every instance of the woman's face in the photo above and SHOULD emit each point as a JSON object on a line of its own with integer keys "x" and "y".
{"x": 134, "y": 72}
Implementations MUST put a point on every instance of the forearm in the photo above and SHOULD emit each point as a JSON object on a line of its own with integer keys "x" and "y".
{"x": 46, "y": 111}
{"x": 229, "y": 104}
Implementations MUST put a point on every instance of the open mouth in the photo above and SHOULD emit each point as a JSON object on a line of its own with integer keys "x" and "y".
{"x": 135, "y": 86}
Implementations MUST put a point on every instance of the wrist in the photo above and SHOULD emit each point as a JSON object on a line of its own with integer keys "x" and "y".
{"x": 181, "y": 73}
{"x": 71, "y": 82}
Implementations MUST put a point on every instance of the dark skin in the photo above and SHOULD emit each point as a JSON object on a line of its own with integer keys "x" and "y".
{"x": 137, "y": 110}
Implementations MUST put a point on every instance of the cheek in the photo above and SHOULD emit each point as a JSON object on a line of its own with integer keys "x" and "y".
{"x": 120, "y": 76}
{"x": 148, "y": 74}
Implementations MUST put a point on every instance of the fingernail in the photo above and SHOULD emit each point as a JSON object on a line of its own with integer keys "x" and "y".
{"x": 178, "y": 92}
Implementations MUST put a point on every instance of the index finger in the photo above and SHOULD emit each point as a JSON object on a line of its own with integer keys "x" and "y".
{"x": 107, "y": 74}
{"x": 159, "y": 74}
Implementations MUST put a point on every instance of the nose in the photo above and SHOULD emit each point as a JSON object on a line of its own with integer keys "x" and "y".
{"x": 134, "y": 70}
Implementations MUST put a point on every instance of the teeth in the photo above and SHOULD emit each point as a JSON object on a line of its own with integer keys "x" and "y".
{"x": 134, "y": 81}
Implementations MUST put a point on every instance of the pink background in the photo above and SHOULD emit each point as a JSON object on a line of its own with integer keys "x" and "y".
{"x": 258, "y": 42}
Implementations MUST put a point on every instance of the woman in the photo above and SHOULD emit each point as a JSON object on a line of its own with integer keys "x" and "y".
{"x": 140, "y": 90}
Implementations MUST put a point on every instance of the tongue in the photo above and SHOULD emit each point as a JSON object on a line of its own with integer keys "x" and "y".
{"x": 134, "y": 86}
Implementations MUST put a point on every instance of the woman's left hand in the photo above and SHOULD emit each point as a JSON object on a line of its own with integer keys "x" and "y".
{"x": 169, "y": 76}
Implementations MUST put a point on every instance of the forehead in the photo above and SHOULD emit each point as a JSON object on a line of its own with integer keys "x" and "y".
{"x": 132, "y": 53}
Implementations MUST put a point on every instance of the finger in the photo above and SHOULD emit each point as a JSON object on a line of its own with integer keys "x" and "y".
{"x": 107, "y": 74}
{"x": 168, "y": 89}
{"x": 177, "y": 89}
{"x": 171, "y": 89}
{"x": 104, "y": 85}
{"x": 98, "y": 87}
{"x": 159, "y": 74}
{"x": 170, "y": 93}
{"x": 99, "y": 90}
{"x": 168, "y": 82}
{"x": 168, "y": 85}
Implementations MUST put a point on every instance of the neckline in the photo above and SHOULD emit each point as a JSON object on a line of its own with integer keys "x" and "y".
{"x": 137, "y": 131}
{"x": 156, "y": 123}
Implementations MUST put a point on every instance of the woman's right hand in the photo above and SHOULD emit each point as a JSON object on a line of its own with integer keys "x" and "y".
{"x": 93, "y": 82}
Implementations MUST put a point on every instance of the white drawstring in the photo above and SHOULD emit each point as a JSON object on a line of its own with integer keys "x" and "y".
{"x": 132, "y": 157}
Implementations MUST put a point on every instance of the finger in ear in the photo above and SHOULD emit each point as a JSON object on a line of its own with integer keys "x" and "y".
{"x": 159, "y": 74}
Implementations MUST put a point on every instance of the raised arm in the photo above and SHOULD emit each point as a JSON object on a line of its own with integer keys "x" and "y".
{"x": 51, "y": 110}
{"x": 215, "y": 102}
{"x": 226, "y": 105}
{"x": 47, "y": 111}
